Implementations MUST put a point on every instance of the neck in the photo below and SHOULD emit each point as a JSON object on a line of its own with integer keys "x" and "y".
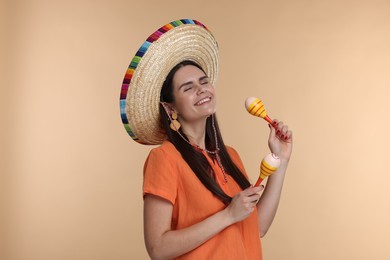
{"x": 196, "y": 132}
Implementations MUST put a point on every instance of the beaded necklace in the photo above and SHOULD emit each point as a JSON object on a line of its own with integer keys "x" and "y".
{"x": 214, "y": 152}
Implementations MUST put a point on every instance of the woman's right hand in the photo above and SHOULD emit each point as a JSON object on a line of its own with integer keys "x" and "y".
{"x": 243, "y": 203}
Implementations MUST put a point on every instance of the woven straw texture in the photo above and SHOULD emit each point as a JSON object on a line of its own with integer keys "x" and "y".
{"x": 140, "y": 96}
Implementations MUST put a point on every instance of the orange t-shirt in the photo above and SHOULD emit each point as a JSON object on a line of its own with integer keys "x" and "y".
{"x": 168, "y": 176}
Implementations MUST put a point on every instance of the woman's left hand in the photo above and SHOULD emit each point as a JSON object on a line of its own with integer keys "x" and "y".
{"x": 280, "y": 140}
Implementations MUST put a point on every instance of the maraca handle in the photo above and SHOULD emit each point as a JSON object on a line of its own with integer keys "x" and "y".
{"x": 269, "y": 120}
{"x": 262, "y": 177}
{"x": 259, "y": 180}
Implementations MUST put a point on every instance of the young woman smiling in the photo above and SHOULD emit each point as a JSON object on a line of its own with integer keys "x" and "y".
{"x": 198, "y": 201}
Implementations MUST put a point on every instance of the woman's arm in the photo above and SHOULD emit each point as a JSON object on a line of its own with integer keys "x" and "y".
{"x": 280, "y": 143}
{"x": 164, "y": 243}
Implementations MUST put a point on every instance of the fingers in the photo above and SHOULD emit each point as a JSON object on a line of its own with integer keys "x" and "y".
{"x": 244, "y": 203}
{"x": 282, "y": 131}
{"x": 252, "y": 190}
{"x": 253, "y": 200}
{"x": 252, "y": 195}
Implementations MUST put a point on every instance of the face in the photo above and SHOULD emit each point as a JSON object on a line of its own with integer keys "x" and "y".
{"x": 193, "y": 93}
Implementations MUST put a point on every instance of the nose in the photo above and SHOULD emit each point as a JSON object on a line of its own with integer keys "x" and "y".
{"x": 201, "y": 89}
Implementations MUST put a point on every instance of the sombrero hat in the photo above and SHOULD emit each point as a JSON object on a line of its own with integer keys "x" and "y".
{"x": 173, "y": 43}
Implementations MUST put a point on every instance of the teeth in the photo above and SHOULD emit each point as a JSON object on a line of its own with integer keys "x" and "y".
{"x": 200, "y": 102}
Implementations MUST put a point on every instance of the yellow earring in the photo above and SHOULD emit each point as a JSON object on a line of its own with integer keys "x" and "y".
{"x": 175, "y": 125}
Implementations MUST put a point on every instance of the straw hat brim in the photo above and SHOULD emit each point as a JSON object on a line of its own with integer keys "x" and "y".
{"x": 140, "y": 96}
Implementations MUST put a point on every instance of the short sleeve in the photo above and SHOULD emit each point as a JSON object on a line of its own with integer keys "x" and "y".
{"x": 160, "y": 177}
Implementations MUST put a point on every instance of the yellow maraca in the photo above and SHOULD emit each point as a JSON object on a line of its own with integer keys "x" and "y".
{"x": 255, "y": 107}
{"x": 269, "y": 165}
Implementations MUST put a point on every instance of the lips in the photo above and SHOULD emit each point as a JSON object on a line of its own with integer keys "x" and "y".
{"x": 202, "y": 101}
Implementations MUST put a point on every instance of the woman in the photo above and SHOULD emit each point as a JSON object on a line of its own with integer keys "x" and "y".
{"x": 198, "y": 201}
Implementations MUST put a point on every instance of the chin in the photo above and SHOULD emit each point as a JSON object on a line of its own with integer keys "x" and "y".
{"x": 209, "y": 113}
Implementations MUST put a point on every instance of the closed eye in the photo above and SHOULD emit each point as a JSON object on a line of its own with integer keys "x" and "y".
{"x": 204, "y": 80}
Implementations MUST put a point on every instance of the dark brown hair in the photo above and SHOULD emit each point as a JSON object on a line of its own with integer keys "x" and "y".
{"x": 195, "y": 159}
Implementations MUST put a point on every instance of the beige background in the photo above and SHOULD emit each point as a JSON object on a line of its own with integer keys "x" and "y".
{"x": 73, "y": 178}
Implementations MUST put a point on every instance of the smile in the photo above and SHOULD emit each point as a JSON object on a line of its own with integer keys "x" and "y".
{"x": 202, "y": 101}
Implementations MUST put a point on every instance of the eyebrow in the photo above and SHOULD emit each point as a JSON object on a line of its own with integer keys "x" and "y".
{"x": 191, "y": 82}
